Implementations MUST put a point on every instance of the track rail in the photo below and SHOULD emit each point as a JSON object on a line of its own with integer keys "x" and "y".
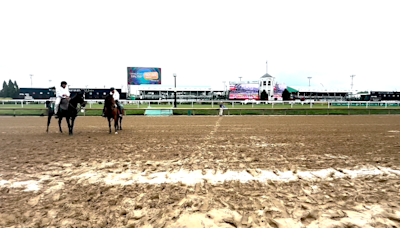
{"x": 245, "y": 111}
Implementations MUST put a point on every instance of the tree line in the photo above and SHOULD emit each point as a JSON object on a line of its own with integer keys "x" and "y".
{"x": 285, "y": 95}
{"x": 10, "y": 90}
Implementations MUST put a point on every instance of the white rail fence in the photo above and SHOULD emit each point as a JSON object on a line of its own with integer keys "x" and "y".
{"x": 216, "y": 103}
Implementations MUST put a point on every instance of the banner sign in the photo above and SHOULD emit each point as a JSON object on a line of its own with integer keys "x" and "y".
{"x": 244, "y": 91}
{"x": 144, "y": 75}
{"x": 278, "y": 90}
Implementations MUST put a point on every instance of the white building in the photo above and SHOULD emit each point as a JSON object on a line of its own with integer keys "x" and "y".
{"x": 267, "y": 84}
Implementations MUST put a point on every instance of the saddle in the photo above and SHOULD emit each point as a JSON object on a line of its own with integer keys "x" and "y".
{"x": 64, "y": 104}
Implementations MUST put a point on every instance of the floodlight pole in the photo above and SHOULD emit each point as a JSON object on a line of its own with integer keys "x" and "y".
{"x": 309, "y": 86}
{"x": 352, "y": 76}
{"x": 224, "y": 89}
{"x": 175, "y": 91}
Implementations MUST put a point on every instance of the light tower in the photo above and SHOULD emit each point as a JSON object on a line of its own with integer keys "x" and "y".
{"x": 309, "y": 86}
{"x": 175, "y": 90}
{"x": 352, "y": 76}
{"x": 224, "y": 88}
{"x": 31, "y": 79}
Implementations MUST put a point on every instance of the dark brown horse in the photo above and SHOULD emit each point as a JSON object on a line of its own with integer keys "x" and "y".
{"x": 112, "y": 113}
{"x": 70, "y": 111}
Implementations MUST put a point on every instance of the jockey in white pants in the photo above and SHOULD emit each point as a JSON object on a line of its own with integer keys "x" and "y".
{"x": 61, "y": 92}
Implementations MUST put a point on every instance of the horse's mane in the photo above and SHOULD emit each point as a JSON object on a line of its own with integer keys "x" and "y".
{"x": 109, "y": 101}
{"x": 75, "y": 96}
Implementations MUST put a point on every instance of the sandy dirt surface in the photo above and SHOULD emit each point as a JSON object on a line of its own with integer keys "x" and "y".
{"x": 253, "y": 171}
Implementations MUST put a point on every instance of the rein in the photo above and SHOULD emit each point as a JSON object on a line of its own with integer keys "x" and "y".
{"x": 75, "y": 108}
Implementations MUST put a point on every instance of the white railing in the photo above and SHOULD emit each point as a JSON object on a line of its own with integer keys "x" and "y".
{"x": 216, "y": 103}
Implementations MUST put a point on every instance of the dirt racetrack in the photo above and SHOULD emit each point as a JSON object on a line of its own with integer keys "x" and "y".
{"x": 253, "y": 171}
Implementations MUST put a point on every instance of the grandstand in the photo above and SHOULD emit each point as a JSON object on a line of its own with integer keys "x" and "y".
{"x": 161, "y": 92}
{"x": 47, "y": 93}
{"x": 319, "y": 93}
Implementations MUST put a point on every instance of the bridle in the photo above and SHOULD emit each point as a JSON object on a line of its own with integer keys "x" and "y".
{"x": 77, "y": 109}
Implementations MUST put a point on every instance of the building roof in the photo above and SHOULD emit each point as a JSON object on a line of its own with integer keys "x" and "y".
{"x": 302, "y": 89}
{"x": 291, "y": 90}
{"x": 178, "y": 88}
{"x": 266, "y": 76}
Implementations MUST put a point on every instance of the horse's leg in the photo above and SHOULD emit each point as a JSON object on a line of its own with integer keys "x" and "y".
{"x": 49, "y": 115}
{"x": 109, "y": 123}
{"x": 69, "y": 125}
{"x": 116, "y": 123}
{"x": 120, "y": 120}
{"x": 72, "y": 125}
{"x": 59, "y": 123}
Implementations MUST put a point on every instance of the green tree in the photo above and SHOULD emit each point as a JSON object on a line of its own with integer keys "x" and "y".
{"x": 264, "y": 95}
{"x": 10, "y": 89}
{"x": 3, "y": 92}
{"x": 16, "y": 89}
{"x": 285, "y": 95}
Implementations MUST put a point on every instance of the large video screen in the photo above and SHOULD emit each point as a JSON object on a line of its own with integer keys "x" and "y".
{"x": 144, "y": 75}
{"x": 244, "y": 91}
{"x": 278, "y": 90}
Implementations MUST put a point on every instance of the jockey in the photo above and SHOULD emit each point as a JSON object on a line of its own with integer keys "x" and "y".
{"x": 115, "y": 94}
{"x": 61, "y": 92}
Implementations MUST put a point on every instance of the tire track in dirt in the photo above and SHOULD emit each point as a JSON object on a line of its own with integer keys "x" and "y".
{"x": 217, "y": 124}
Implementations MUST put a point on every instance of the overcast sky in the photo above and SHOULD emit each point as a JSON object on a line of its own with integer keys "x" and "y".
{"x": 203, "y": 42}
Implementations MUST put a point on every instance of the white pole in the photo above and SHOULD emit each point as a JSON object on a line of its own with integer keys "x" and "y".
{"x": 291, "y": 105}
{"x": 385, "y": 104}
{"x": 22, "y": 104}
{"x": 233, "y": 104}
{"x": 138, "y": 105}
{"x": 348, "y": 104}
{"x": 310, "y": 104}
{"x": 252, "y": 104}
{"x": 366, "y": 105}
{"x": 272, "y": 104}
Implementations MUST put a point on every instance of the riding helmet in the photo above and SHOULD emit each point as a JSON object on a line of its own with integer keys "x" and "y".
{"x": 112, "y": 89}
{"x": 63, "y": 83}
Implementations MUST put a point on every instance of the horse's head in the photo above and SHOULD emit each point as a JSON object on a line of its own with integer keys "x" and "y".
{"x": 79, "y": 98}
{"x": 109, "y": 101}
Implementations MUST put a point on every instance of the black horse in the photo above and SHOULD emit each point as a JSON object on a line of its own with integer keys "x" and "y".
{"x": 112, "y": 113}
{"x": 69, "y": 110}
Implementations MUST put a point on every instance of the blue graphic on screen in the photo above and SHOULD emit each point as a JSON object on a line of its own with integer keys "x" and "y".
{"x": 144, "y": 75}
